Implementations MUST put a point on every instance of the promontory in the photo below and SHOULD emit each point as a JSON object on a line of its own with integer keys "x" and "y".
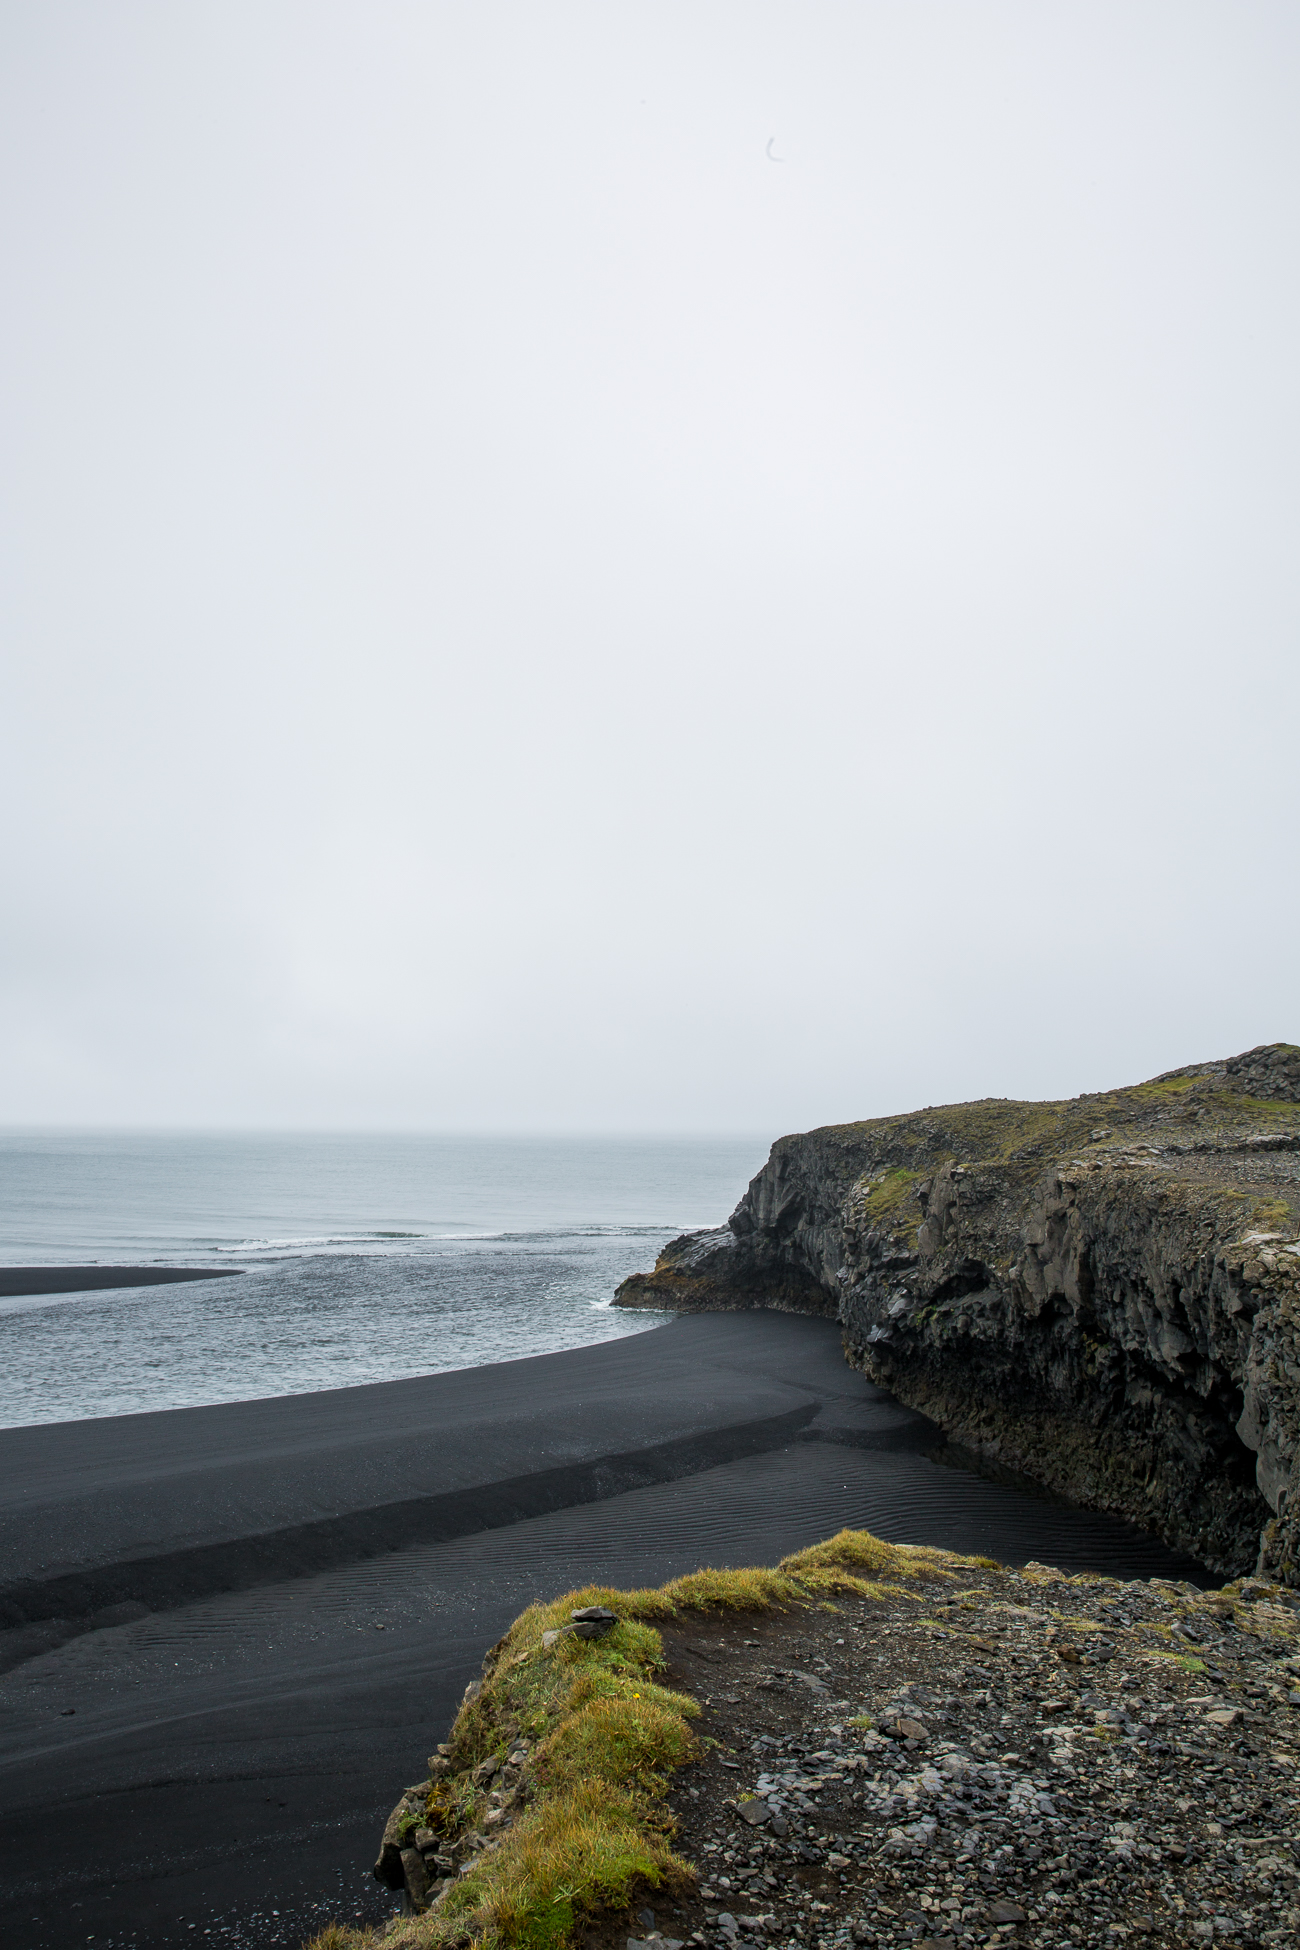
{"x": 1101, "y": 1293}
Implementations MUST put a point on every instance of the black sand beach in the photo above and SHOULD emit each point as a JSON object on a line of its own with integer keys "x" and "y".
{"x": 19, "y": 1281}
{"x": 232, "y": 1634}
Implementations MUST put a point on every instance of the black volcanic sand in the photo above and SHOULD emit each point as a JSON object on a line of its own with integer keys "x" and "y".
{"x": 317, "y": 1577}
{"x": 18, "y": 1281}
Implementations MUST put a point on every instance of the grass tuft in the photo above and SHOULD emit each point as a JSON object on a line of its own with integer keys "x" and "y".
{"x": 591, "y": 1827}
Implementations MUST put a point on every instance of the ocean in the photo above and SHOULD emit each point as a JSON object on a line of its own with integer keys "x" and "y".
{"x": 354, "y": 1258}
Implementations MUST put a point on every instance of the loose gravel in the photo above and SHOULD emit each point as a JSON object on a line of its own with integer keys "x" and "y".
{"x": 1000, "y": 1758}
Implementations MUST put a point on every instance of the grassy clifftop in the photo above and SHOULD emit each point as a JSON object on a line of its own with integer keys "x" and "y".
{"x": 866, "y": 1743}
{"x": 546, "y": 1804}
{"x": 1103, "y": 1293}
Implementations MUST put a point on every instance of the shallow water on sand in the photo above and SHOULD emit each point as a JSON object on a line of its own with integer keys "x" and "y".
{"x": 356, "y": 1259}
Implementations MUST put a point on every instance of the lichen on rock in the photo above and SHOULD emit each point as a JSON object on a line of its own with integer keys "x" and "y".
{"x": 1103, "y": 1293}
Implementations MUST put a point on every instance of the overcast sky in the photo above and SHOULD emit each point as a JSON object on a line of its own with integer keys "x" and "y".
{"x": 706, "y": 566}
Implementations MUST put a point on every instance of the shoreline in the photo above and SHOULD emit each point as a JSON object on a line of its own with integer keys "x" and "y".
{"x": 166, "y": 1763}
{"x": 26, "y": 1282}
{"x": 872, "y": 1746}
{"x": 78, "y": 1496}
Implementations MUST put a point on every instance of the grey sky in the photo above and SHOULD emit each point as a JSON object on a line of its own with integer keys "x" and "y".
{"x": 522, "y": 612}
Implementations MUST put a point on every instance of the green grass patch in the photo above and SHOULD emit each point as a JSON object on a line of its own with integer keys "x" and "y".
{"x": 591, "y": 1827}
{"x": 881, "y": 1201}
{"x": 1187, "y": 1660}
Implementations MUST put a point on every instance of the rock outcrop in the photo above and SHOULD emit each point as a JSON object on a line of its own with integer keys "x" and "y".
{"x": 1102, "y": 1293}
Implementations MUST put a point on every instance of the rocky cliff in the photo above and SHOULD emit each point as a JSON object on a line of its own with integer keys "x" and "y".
{"x": 1102, "y": 1293}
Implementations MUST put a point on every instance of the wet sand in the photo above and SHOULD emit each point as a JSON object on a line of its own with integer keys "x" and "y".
{"x": 16, "y": 1282}
{"x": 234, "y": 1633}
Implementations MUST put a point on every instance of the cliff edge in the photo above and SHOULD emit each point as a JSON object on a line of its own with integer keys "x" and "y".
{"x": 1103, "y": 1293}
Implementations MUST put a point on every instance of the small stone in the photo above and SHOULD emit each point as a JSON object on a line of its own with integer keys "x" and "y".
{"x": 1006, "y": 1912}
{"x": 593, "y": 1621}
{"x": 646, "y": 1918}
{"x": 755, "y": 1812}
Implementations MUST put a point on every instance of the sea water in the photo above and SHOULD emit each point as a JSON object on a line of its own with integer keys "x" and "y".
{"x": 353, "y": 1258}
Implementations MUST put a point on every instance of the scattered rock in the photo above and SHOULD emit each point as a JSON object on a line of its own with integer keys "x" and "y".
{"x": 1035, "y": 1807}
{"x": 910, "y": 1730}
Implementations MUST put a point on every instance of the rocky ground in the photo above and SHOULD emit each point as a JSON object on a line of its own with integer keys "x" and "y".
{"x": 990, "y": 1758}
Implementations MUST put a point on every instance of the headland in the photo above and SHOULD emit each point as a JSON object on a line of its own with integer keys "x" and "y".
{"x": 1101, "y": 1293}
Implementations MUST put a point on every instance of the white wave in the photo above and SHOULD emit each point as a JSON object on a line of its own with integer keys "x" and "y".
{"x": 373, "y": 1245}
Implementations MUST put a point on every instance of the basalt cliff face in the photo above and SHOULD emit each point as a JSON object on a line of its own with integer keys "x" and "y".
{"x": 1102, "y": 1293}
